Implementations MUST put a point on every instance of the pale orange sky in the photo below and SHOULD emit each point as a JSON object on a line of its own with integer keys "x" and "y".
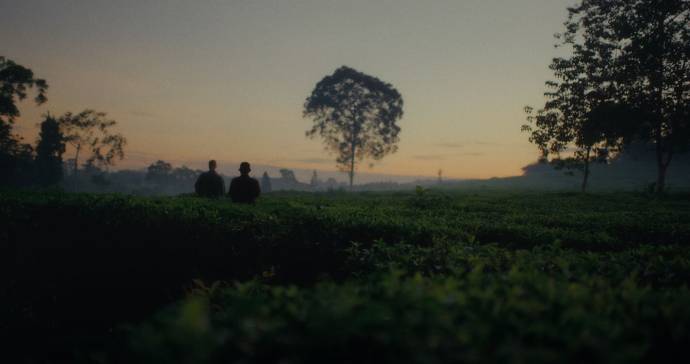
{"x": 188, "y": 81}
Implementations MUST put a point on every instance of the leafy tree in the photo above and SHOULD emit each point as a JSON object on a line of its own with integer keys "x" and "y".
{"x": 90, "y": 131}
{"x": 49, "y": 150}
{"x": 266, "y": 183}
{"x": 288, "y": 175}
{"x": 647, "y": 43}
{"x": 356, "y": 116}
{"x": 569, "y": 120}
{"x": 15, "y": 81}
{"x": 159, "y": 171}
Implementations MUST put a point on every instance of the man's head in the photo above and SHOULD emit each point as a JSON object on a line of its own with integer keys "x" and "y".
{"x": 245, "y": 168}
{"x": 212, "y": 165}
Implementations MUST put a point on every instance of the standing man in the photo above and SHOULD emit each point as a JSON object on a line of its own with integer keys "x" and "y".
{"x": 210, "y": 184}
{"x": 244, "y": 189}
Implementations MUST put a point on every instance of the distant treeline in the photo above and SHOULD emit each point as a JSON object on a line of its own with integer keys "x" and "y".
{"x": 629, "y": 171}
{"x": 162, "y": 178}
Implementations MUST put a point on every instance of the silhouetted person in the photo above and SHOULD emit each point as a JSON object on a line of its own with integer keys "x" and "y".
{"x": 244, "y": 189}
{"x": 210, "y": 184}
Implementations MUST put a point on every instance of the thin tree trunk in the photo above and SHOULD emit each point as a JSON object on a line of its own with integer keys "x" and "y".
{"x": 76, "y": 160}
{"x": 662, "y": 169}
{"x": 661, "y": 179}
{"x": 352, "y": 165}
{"x": 661, "y": 166}
{"x": 586, "y": 174}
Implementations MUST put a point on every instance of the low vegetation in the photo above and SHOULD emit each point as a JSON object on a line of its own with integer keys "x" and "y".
{"x": 338, "y": 277}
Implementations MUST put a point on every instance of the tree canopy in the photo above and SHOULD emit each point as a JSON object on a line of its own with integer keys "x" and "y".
{"x": 15, "y": 156}
{"x": 356, "y": 116}
{"x": 627, "y": 79}
{"x": 90, "y": 131}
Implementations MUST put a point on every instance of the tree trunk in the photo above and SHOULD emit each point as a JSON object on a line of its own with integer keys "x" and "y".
{"x": 661, "y": 179}
{"x": 662, "y": 168}
{"x": 76, "y": 160}
{"x": 659, "y": 85}
{"x": 352, "y": 165}
{"x": 586, "y": 172}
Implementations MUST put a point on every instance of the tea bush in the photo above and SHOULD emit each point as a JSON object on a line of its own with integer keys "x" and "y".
{"x": 426, "y": 276}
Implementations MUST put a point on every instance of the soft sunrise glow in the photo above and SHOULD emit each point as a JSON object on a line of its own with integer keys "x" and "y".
{"x": 189, "y": 81}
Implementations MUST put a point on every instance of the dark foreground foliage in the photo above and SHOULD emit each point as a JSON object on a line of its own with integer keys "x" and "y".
{"x": 422, "y": 277}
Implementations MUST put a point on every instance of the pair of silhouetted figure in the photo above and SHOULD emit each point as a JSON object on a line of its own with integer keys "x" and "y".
{"x": 243, "y": 189}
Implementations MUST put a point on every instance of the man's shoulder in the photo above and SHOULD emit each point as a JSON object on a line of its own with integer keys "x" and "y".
{"x": 245, "y": 179}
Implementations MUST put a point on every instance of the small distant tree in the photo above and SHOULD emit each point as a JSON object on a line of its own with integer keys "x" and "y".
{"x": 314, "y": 182}
{"x": 440, "y": 176}
{"x": 49, "y": 149}
{"x": 356, "y": 116}
{"x": 288, "y": 175}
{"x": 159, "y": 171}
{"x": 266, "y": 183}
{"x": 184, "y": 175}
{"x": 91, "y": 132}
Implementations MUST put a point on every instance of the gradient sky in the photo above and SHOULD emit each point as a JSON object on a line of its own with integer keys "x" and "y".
{"x": 193, "y": 80}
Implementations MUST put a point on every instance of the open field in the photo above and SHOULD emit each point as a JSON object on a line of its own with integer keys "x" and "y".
{"x": 337, "y": 277}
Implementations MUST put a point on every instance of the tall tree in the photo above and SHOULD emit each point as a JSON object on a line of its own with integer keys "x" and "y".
{"x": 649, "y": 68}
{"x": 49, "y": 149}
{"x": 15, "y": 81}
{"x": 90, "y": 131}
{"x": 356, "y": 116}
{"x": 570, "y": 120}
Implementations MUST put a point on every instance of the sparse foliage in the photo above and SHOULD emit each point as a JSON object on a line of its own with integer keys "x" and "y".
{"x": 91, "y": 132}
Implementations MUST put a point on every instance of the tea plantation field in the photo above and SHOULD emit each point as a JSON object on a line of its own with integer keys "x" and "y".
{"x": 425, "y": 277}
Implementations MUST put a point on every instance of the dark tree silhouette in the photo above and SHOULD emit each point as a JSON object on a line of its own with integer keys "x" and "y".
{"x": 646, "y": 44}
{"x": 49, "y": 149}
{"x": 288, "y": 175}
{"x": 314, "y": 182}
{"x": 266, "y": 183}
{"x": 356, "y": 116}
{"x": 15, "y": 81}
{"x": 566, "y": 122}
{"x": 90, "y": 131}
{"x": 159, "y": 172}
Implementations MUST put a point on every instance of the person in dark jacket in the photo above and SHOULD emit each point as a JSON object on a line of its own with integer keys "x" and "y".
{"x": 244, "y": 189}
{"x": 210, "y": 184}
